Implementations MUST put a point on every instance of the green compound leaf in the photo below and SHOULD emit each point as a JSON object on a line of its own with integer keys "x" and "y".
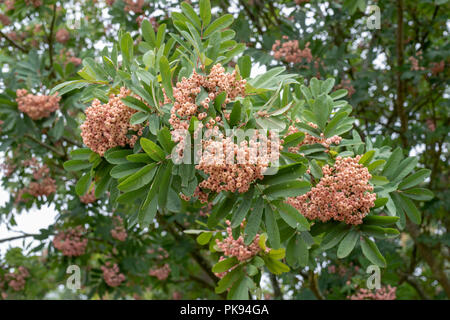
{"x": 225, "y": 265}
{"x": 288, "y": 189}
{"x": 371, "y": 252}
{"x": 139, "y": 179}
{"x": 254, "y": 221}
{"x": 219, "y": 24}
{"x": 347, "y": 244}
{"x": 152, "y": 149}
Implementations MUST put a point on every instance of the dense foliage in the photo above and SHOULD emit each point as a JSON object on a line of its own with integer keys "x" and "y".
{"x": 273, "y": 149}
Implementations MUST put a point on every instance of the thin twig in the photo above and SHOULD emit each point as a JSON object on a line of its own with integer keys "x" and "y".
{"x": 400, "y": 83}
{"x": 276, "y": 287}
{"x": 415, "y": 284}
{"x": 314, "y": 285}
{"x": 50, "y": 39}
{"x": 13, "y": 43}
{"x": 73, "y": 142}
{"x": 18, "y": 237}
{"x": 194, "y": 254}
{"x": 42, "y": 144}
{"x": 427, "y": 254}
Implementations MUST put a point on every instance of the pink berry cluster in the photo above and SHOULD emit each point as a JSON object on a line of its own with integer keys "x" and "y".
{"x": 119, "y": 232}
{"x": 89, "y": 197}
{"x": 233, "y": 167}
{"x": 347, "y": 185}
{"x": 186, "y": 91}
{"x": 71, "y": 242}
{"x": 205, "y": 211}
{"x": 46, "y": 187}
{"x": 41, "y": 185}
{"x": 346, "y": 84}
{"x": 29, "y": 34}
{"x": 4, "y": 19}
{"x": 415, "y": 61}
{"x": 34, "y": 3}
{"x": 8, "y": 167}
{"x": 222, "y": 176}
{"x": 14, "y": 36}
{"x": 176, "y": 295}
{"x": 384, "y": 293}
{"x": 134, "y": 5}
{"x": 112, "y": 275}
{"x": 62, "y": 36}
{"x": 162, "y": 254}
{"x": 290, "y": 52}
{"x": 152, "y": 21}
{"x": 17, "y": 280}
{"x": 236, "y": 248}
{"x": 437, "y": 67}
{"x": 342, "y": 270}
{"x": 9, "y": 4}
{"x": 160, "y": 272}
{"x": 107, "y": 125}
{"x": 37, "y": 106}
{"x": 19, "y": 196}
{"x": 67, "y": 56}
{"x": 309, "y": 139}
{"x": 431, "y": 125}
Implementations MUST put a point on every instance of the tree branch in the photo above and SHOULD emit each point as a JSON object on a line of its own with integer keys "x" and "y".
{"x": 50, "y": 38}
{"x": 252, "y": 16}
{"x": 276, "y": 287}
{"x": 274, "y": 14}
{"x": 202, "y": 281}
{"x": 427, "y": 254}
{"x": 314, "y": 285}
{"x": 13, "y": 43}
{"x": 18, "y": 237}
{"x": 400, "y": 84}
{"x": 415, "y": 284}
{"x": 73, "y": 142}
{"x": 42, "y": 144}
{"x": 194, "y": 254}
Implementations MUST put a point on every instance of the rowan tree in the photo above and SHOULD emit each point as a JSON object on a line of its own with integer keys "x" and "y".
{"x": 226, "y": 149}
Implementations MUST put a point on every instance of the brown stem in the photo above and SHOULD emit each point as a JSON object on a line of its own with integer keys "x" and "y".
{"x": 274, "y": 14}
{"x": 416, "y": 285}
{"x": 276, "y": 287}
{"x": 437, "y": 157}
{"x": 400, "y": 83}
{"x": 73, "y": 142}
{"x": 42, "y": 144}
{"x": 194, "y": 254}
{"x": 17, "y": 237}
{"x": 13, "y": 43}
{"x": 314, "y": 285}
{"x": 428, "y": 256}
{"x": 423, "y": 41}
{"x": 252, "y": 17}
{"x": 202, "y": 281}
